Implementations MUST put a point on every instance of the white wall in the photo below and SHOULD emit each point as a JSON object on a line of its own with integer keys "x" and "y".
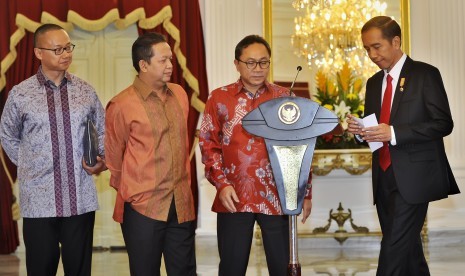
{"x": 438, "y": 38}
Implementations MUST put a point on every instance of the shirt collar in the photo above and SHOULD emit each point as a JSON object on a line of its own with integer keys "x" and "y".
{"x": 241, "y": 87}
{"x": 42, "y": 78}
{"x": 395, "y": 71}
{"x": 146, "y": 90}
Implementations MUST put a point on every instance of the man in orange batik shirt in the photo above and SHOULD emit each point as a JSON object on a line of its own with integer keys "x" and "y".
{"x": 148, "y": 157}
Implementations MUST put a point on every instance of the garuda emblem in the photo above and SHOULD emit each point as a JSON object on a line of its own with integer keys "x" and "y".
{"x": 289, "y": 113}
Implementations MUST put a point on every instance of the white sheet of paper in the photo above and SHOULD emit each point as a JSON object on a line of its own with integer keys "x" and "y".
{"x": 369, "y": 121}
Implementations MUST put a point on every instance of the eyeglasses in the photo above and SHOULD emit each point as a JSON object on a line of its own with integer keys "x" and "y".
{"x": 60, "y": 50}
{"x": 264, "y": 64}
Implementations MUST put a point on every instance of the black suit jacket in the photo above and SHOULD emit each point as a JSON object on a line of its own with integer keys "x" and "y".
{"x": 421, "y": 117}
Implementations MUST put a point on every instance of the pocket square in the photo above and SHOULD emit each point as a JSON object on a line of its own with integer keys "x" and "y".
{"x": 90, "y": 144}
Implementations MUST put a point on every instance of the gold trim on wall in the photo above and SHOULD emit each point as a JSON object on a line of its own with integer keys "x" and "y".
{"x": 267, "y": 17}
{"x": 405, "y": 25}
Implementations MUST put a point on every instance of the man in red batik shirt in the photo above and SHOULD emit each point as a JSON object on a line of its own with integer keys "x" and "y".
{"x": 237, "y": 163}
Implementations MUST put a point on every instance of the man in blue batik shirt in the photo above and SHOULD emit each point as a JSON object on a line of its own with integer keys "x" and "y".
{"x": 41, "y": 130}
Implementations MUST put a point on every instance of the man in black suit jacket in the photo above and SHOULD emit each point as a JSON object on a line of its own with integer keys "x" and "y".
{"x": 418, "y": 170}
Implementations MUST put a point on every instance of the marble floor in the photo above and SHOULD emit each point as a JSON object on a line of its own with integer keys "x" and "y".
{"x": 357, "y": 256}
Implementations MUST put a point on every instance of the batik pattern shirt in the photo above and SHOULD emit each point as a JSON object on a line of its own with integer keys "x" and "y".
{"x": 232, "y": 156}
{"x": 42, "y": 129}
{"x": 147, "y": 151}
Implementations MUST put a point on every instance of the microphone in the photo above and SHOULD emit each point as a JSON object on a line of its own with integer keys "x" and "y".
{"x": 299, "y": 68}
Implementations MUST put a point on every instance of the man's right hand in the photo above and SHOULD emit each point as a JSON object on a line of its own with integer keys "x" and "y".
{"x": 353, "y": 126}
{"x": 228, "y": 197}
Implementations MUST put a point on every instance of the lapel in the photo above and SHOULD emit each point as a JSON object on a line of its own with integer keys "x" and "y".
{"x": 399, "y": 94}
{"x": 377, "y": 90}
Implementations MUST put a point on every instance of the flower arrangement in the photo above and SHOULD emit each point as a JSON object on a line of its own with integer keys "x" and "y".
{"x": 342, "y": 95}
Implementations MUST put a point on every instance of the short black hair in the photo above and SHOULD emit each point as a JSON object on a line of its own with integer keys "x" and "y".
{"x": 142, "y": 48}
{"x": 388, "y": 26}
{"x": 43, "y": 29}
{"x": 247, "y": 41}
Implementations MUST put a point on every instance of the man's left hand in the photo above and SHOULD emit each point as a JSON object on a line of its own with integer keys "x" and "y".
{"x": 379, "y": 133}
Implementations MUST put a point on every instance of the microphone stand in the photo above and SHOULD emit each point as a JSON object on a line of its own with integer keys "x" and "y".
{"x": 299, "y": 68}
{"x": 293, "y": 268}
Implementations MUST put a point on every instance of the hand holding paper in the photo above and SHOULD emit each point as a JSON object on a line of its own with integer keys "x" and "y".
{"x": 370, "y": 121}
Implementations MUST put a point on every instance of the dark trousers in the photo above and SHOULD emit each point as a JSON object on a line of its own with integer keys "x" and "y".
{"x": 235, "y": 233}
{"x": 43, "y": 236}
{"x": 147, "y": 239}
{"x": 401, "y": 223}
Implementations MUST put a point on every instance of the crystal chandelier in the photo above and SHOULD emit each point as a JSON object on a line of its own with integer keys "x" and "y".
{"x": 327, "y": 34}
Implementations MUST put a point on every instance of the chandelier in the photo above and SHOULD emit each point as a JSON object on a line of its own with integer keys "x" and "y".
{"x": 327, "y": 34}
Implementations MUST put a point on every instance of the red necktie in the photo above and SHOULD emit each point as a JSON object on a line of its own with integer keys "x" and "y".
{"x": 384, "y": 155}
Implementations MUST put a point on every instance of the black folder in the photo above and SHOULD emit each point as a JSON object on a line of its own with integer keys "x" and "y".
{"x": 90, "y": 144}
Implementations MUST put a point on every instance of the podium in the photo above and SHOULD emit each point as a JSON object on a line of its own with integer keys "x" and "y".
{"x": 290, "y": 126}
